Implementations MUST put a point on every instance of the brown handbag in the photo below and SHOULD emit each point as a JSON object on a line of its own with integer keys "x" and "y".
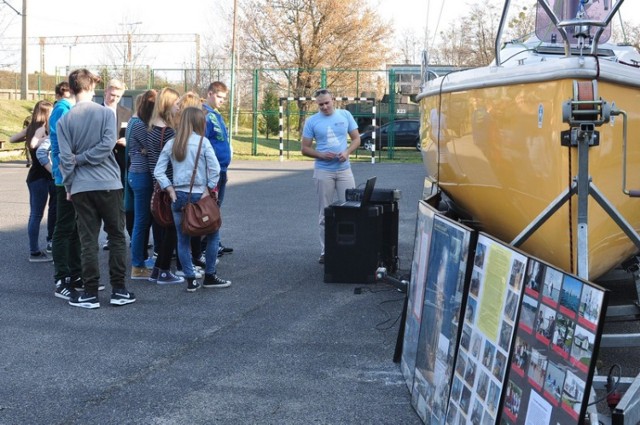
{"x": 160, "y": 199}
{"x": 202, "y": 217}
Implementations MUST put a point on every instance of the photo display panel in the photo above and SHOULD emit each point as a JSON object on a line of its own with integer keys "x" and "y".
{"x": 557, "y": 336}
{"x": 445, "y": 277}
{"x": 488, "y": 326}
{"x": 424, "y": 228}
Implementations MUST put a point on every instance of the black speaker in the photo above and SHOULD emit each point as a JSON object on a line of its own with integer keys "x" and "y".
{"x": 353, "y": 242}
{"x": 389, "y": 244}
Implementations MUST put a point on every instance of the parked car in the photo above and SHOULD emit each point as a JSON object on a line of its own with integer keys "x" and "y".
{"x": 406, "y": 132}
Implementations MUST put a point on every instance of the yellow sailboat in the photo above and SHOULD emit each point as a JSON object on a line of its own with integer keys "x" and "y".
{"x": 541, "y": 148}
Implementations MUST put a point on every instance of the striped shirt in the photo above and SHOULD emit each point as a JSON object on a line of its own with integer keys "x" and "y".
{"x": 154, "y": 143}
{"x": 136, "y": 136}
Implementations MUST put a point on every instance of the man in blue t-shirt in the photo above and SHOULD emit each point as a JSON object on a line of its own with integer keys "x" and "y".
{"x": 332, "y": 173}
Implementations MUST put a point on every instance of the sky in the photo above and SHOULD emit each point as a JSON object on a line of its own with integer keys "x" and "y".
{"x": 209, "y": 18}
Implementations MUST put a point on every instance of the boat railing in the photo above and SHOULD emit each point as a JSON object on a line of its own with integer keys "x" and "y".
{"x": 581, "y": 25}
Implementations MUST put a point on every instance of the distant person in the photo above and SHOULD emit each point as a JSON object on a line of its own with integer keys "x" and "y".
{"x": 91, "y": 177}
{"x": 192, "y": 99}
{"x": 66, "y": 243}
{"x": 140, "y": 182}
{"x": 112, "y": 95}
{"x": 21, "y": 136}
{"x": 160, "y": 131}
{"x": 182, "y": 152}
{"x": 332, "y": 173}
{"x": 218, "y": 135}
{"x": 43, "y": 154}
{"x": 39, "y": 182}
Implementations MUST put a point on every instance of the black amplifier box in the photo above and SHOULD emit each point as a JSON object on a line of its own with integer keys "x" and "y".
{"x": 379, "y": 196}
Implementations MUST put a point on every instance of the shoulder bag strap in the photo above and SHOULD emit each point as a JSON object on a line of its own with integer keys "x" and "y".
{"x": 195, "y": 168}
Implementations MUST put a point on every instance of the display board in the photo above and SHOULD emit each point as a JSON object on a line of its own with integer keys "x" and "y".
{"x": 415, "y": 293}
{"x": 492, "y": 307}
{"x": 447, "y": 268}
{"x": 558, "y": 332}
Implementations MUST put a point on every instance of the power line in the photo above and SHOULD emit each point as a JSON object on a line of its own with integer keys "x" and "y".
{"x": 13, "y": 8}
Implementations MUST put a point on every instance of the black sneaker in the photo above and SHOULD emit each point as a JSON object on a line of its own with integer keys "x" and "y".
{"x": 192, "y": 285}
{"x": 121, "y": 296}
{"x": 213, "y": 281}
{"x": 64, "y": 289}
{"x": 49, "y": 246}
{"x": 78, "y": 284}
{"x": 39, "y": 257}
{"x": 225, "y": 249}
{"x": 85, "y": 301}
{"x": 200, "y": 262}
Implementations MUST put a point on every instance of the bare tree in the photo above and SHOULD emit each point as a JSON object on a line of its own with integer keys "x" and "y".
{"x": 304, "y": 36}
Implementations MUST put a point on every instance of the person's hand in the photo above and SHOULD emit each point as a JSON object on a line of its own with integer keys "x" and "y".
{"x": 327, "y": 156}
{"x": 343, "y": 156}
{"x": 121, "y": 142}
{"x": 172, "y": 193}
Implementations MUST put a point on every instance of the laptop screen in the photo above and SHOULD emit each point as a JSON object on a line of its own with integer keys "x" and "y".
{"x": 368, "y": 191}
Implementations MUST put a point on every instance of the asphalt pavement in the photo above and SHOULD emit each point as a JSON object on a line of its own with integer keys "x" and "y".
{"x": 279, "y": 346}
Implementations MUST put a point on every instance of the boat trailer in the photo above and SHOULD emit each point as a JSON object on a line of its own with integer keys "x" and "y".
{"x": 584, "y": 113}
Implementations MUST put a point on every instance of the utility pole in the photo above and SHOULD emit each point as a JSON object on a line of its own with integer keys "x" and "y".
{"x": 233, "y": 66}
{"x": 129, "y": 52}
{"x": 24, "y": 87}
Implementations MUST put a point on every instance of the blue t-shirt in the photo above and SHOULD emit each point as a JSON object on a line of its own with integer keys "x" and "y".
{"x": 330, "y": 133}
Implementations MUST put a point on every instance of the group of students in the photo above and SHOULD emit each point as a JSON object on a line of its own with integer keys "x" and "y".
{"x": 84, "y": 167}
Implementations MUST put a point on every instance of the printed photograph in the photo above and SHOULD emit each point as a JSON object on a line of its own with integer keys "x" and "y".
{"x": 506, "y": 330}
{"x": 590, "y": 305}
{"x": 483, "y": 386}
{"x": 481, "y": 251}
{"x": 573, "y": 392}
{"x": 461, "y": 364}
{"x": 554, "y": 380}
{"x": 551, "y": 286}
{"x": 474, "y": 286}
{"x": 476, "y": 413}
{"x": 570, "y": 295}
{"x": 470, "y": 312}
{"x": 499, "y": 366}
{"x": 534, "y": 276}
{"x": 511, "y": 305}
{"x": 582, "y": 347}
{"x": 456, "y": 389}
{"x": 537, "y": 368}
{"x": 487, "y": 354}
{"x": 521, "y": 354}
{"x": 512, "y": 399}
{"x": 465, "y": 399}
{"x": 563, "y": 335}
{"x": 517, "y": 275}
{"x": 493, "y": 398}
{"x": 528, "y": 313}
{"x": 476, "y": 342}
{"x": 465, "y": 339}
{"x": 545, "y": 322}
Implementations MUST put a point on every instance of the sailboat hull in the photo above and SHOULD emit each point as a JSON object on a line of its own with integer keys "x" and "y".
{"x": 491, "y": 139}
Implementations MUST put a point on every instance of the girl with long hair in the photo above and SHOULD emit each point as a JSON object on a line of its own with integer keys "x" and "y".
{"x": 140, "y": 181}
{"x": 161, "y": 129}
{"x": 181, "y": 152}
{"x": 39, "y": 182}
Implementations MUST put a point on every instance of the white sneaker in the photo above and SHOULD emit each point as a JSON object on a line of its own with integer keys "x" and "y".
{"x": 197, "y": 272}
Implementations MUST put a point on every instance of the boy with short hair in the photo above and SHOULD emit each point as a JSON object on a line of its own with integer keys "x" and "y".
{"x": 91, "y": 176}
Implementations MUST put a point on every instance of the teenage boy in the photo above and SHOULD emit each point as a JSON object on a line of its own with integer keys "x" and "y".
{"x": 91, "y": 176}
{"x": 216, "y": 132}
{"x": 65, "y": 245}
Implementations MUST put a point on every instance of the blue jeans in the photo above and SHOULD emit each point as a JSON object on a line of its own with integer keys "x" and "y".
{"x": 184, "y": 241}
{"x": 39, "y": 191}
{"x": 142, "y": 186}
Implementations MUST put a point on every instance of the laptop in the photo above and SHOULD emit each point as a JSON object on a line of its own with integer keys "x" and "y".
{"x": 366, "y": 196}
